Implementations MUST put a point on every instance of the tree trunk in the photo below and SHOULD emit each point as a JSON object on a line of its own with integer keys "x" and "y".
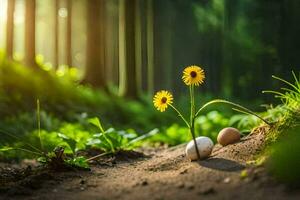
{"x": 164, "y": 37}
{"x": 112, "y": 42}
{"x": 56, "y": 34}
{"x": 138, "y": 44}
{"x": 10, "y": 28}
{"x": 95, "y": 55}
{"x": 69, "y": 34}
{"x": 127, "y": 49}
{"x": 150, "y": 47}
{"x": 29, "y": 59}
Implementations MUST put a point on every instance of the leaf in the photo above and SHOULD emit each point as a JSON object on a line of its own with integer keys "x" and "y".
{"x": 70, "y": 141}
{"x": 3, "y": 149}
{"x": 142, "y": 137}
{"x": 6, "y": 149}
{"x": 99, "y": 142}
{"x": 96, "y": 122}
{"x": 79, "y": 161}
{"x": 127, "y": 135}
{"x": 110, "y": 130}
{"x": 42, "y": 159}
{"x": 93, "y": 141}
{"x": 115, "y": 139}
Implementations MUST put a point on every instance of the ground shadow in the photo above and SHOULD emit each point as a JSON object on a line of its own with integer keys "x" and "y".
{"x": 221, "y": 164}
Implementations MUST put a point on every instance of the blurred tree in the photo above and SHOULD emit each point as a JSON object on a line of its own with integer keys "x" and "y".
{"x": 10, "y": 28}
{"x": 69, "y": 34}
{"x": 56, "y": 33}
{"x": 95, "y": 55}
{"x": 138, "y": 44}
{"x": 112, "y": 42}
{"x": 289, "y": 40}
{"x": 29, "y": 58}
{"x": 163, "y": 40}
{"x": 150, "y": 46}
{"x": 127, "y": 47}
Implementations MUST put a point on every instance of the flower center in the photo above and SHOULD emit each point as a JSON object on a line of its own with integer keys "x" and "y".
{"x": 193, "y": 74}
{"x": 164, "y": 99}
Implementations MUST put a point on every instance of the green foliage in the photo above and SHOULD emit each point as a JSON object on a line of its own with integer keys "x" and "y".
{"x": 63, "y": 99}
{"x": 79, "y": 162}
{"x": 73, "y": 137}
{"x": 173, "y": 135}
{"x": 19, "y": 90}
{"x": 290, "y": 97}
{"x": 248, "y": 53}
{"x": 290, "y": 108}
{"x": 210, "y": 124}
{"x": 77, "y": 135}
{"x": 104, "y": 141}
{"x": 244, "y": 122}
{"x": 3, "y": 149}
{"x": 57, "y": 159}
{"x": 210, "y": 16}
{"x": 284, "y": 159}
{"x": 70, "y": 141}
{"x": 111, "y": 140}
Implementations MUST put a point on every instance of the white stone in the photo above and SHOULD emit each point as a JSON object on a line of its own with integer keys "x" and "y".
{"x": 205, "y": 146}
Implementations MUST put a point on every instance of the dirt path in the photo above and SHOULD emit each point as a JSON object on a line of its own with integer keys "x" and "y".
{"x": 165, "y": 175}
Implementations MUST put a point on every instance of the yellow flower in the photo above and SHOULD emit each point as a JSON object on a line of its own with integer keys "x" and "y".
{"x": 193, "y": 75}
{"x": 162, "y": 99}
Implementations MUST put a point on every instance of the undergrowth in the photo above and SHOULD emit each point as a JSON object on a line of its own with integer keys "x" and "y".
{"x": 289, "y": 109}
{"x": 64, "y": 98}
{"x": 70, "y": 111}
{"x": 282, "y": 141}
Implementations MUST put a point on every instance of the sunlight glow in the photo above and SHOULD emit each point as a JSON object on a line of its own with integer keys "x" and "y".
{"x": 3, "y": 8}
{"x": 19, "y": 15}
{"x": 63, "y": 12}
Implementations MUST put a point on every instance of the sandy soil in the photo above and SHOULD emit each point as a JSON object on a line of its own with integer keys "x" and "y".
{"x": 165, "y": 174}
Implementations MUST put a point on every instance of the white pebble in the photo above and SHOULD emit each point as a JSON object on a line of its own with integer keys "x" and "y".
{"x": 205, "y": 146}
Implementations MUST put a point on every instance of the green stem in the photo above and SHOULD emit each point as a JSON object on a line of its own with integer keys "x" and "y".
{"x": 192, "y": 103}
{"x": 97, "y": 156}
{"x": 192, "y": 119}
{"x": 39, "y": 122}
{"x": 109, "y": 142}
{"x": 180, "y": 115}
{"x": 28, "y": 151}
{"x": 243, "y": 109}
{"x": 20, "y": 139}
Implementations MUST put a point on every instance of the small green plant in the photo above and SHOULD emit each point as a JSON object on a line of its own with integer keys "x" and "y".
{"x": 104, "y": 140}
{"x": 56, "y": 158}
{"x": 194, "y": 76}
{"x": 290, "y": 96}
{"x": 111, "y": 141}
{"x": 290, "y": 107}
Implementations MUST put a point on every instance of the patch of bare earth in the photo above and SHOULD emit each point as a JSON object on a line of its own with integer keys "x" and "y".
{"x": 166, "y": 174}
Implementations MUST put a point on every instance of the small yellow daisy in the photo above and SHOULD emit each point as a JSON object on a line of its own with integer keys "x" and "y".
{"x": 162, "y": 99}
{"x": 193, "y": 75}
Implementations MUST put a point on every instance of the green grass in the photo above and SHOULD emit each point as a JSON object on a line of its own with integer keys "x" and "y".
{"x": 289, "y": 109}
{"x": 282, "y": 141}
